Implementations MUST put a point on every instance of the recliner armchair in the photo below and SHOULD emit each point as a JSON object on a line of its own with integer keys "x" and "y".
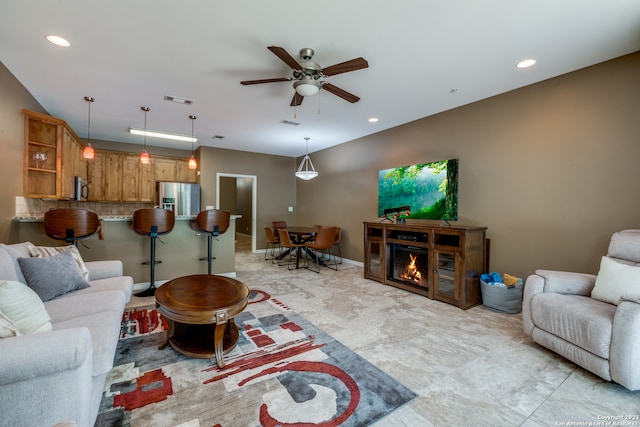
{"x": 561, "y": 312}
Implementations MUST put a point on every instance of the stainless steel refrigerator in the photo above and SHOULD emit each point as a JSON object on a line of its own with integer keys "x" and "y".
{"x": 182, "y": 199}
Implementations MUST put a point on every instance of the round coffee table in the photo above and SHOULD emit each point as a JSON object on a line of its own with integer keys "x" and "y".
{"x": 200, "y": 311}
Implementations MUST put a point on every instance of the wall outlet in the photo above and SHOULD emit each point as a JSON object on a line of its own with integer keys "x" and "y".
{"x": 290, "y": 209}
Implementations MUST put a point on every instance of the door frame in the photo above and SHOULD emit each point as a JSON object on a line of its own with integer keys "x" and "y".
{"x": 254, "y": 200}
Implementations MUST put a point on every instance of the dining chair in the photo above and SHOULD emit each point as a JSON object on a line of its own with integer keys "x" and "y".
{"x": 295, "y": 249}
{"x": 273, "y": 244}
{"x": 336, "y": 244}
{"x": 321, "y": 246}
{"x": 71, "y": 224}
{"x": 276, "y": 225}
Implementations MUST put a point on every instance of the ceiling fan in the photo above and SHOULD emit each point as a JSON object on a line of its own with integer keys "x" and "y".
{"x": 307, "y": 75}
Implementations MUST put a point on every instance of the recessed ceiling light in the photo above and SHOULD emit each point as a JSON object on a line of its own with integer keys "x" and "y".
{"x": 373, "y": 119}
{"x": 58, "y": 41}
{"x": 526, "y": 63}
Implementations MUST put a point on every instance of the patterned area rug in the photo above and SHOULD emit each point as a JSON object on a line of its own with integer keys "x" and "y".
{"x": 283, "y": 372}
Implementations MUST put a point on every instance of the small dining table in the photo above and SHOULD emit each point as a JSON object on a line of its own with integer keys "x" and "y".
{"x": 300, "y": 234}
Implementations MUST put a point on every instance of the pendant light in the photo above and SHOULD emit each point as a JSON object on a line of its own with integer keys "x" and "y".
{"x": 87, "y": 151}
{"x": 144, "y": 156}
{"x": 306, "y": 170}
{"x": 192, "y": 161}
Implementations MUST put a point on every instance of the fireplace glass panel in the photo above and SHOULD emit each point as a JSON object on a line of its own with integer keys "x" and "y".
{"x": 410, "y": 265}
{"x": 446, "y": 271}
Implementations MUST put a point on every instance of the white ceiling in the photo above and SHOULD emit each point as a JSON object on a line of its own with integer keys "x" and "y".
{"x": 425, "y": 56}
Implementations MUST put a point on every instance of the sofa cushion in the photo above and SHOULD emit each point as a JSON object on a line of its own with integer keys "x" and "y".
{"x": 614, "y": 280}
{"x": 8, "y": 266}
{"x": 105, "y": 332}
{"x": 78, "y": 304}
{"x": 47, "y": 251}
{"x": 52, "y": 276}
{"x": 23, "y": 307}
{"x": 580, "y": 320}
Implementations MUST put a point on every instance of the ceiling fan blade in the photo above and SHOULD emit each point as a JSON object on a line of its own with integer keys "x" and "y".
{"x": 296, "y": 100}
{"x": 345, "y": 67}
{"x": 340, "y": 92}
{"x": 285, "y": 57}
{"x": 257, "y": 82}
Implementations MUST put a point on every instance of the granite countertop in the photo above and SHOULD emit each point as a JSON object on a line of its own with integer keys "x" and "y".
{"x": 112, "y": 218}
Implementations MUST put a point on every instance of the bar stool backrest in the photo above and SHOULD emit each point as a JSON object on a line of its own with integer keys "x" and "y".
{"x": 71, "y": 224}
{"x": 145, "y": 219}
{"x": 213, "y": 221}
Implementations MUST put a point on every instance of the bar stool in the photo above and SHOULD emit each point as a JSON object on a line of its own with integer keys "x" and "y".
{"x": 212, "y": 223}
{"x": 152, "y": 222}
{"x": 71, "y": 224}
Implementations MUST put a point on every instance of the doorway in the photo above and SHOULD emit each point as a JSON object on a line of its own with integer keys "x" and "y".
{"x": 238, "y": 194}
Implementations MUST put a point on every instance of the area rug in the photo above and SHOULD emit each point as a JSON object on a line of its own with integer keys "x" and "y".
{"x": 283, "y": 372}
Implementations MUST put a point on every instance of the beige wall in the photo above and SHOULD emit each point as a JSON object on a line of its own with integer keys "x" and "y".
{"x": 551, "y": 169}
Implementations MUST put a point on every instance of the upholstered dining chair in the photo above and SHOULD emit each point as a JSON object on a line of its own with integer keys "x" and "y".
{"x": 321, "y": 246}
{"x": 71, "y": 224}
{"x": 152, "y": 222}
{"x": 336, "y": 245}
{"x": 277, "y": 225}
{"x": 273, "y": 244}
{"x": 212, "y": 223}
{"x": 295, "y": 249}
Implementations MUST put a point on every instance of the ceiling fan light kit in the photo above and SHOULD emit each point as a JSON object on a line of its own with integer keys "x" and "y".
{"x": 307, "y": 75}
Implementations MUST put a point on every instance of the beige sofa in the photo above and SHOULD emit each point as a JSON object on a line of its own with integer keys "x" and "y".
{"x": 594, "y": 321}
{"x": 57, "y": 373}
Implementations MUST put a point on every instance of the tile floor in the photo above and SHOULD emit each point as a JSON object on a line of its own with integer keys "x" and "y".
{"x": 469, "y": 368}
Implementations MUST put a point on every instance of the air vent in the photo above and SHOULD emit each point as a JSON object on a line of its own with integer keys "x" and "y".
{"x": 217, "y": 137}
{"x": 178, "y": 99}
{"x": 289, "y": 122}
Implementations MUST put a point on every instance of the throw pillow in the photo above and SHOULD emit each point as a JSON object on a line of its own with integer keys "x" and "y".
{"x": 614, "y": 280}
{"x": 7, "y": 327}
{"x": 52, "y": 276}
{"x": 46, "y": 251}
{"x": 22, "y": 306}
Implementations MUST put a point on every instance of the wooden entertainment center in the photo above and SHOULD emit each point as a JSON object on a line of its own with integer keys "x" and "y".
{"x": 440, "y": 262}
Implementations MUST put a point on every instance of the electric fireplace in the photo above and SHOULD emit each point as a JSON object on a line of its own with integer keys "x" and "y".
{"x": 409, "y": 265}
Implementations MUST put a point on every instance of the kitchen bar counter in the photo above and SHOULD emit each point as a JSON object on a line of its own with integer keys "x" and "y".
{"x": 103, "y": 217}
{"x": 180, "y": 251}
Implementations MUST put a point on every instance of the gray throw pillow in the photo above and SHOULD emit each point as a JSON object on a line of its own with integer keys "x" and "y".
{"x": 52, "y": 276}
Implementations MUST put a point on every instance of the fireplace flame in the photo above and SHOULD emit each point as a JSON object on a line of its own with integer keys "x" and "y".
{"x": 411, "y": 272}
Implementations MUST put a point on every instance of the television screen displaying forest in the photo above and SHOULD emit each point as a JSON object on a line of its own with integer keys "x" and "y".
{"x": 430, "y": 189}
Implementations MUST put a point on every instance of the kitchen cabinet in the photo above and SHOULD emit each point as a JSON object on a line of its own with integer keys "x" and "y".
{"x": 174, "y": 170}
{"x": 138, "y": 184}
{"x": 52, "y": 157}
{"x": 112, "y": 177}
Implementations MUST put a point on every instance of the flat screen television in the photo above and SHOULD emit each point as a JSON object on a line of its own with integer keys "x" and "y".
{"x": 428, "y": 190}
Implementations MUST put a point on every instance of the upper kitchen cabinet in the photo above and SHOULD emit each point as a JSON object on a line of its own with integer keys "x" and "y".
{"x": 53, "y": 157}
{"x": 175, "y": 170}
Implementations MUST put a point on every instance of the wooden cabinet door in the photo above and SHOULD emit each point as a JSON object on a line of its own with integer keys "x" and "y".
{"x": 147, "y": 182}
{"x": 183, "y": 173}
{"x": 165, "y": 169}
{"x": 112, "y": 177}
{"x": 72, "y": 164}
{"x": 446, "y": 276}
{"x": 130, "y": 181}
{"x": 95, "y": 177}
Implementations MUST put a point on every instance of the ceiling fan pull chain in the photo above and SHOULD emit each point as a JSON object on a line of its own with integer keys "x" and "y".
{"x": 318, "y": 104}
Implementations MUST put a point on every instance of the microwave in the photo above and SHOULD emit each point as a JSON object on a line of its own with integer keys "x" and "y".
{"x": 81, "y": 189}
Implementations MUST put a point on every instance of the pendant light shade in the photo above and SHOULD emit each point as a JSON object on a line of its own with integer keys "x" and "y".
{"x": 145, "y": 159}
{"x": 87, "y": 151}
{"x": 306, "y": 171}
{"x": 193, "y": 164}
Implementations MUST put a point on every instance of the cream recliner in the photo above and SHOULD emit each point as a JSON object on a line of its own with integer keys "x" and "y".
{"x": 562, "y": 312}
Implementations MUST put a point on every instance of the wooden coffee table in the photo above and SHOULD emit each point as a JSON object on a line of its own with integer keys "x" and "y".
{"x": 200, "y": 311}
